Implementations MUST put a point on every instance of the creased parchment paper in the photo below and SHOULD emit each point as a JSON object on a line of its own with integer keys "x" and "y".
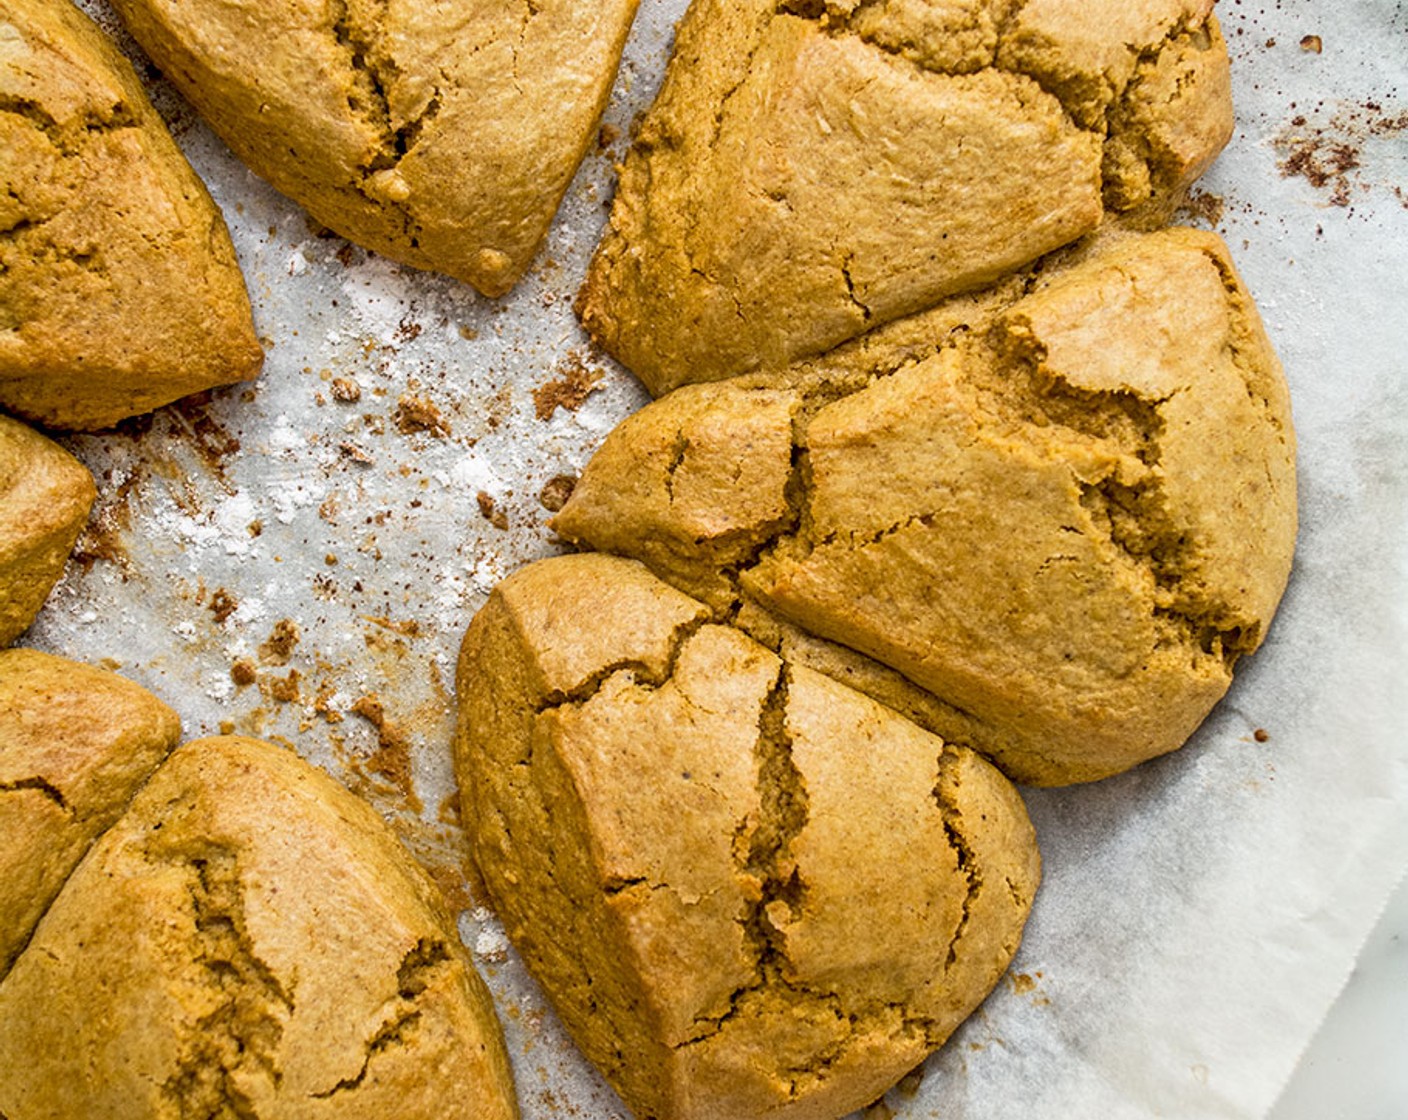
{"x": 284, "y": 560}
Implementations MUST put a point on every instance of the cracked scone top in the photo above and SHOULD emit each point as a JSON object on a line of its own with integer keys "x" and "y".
{"x": 119, "y": 288}
{"x": 75, "y": 744}
{"x": 1045, "y": 520}
{"x": 249, "y": 939}
{"x": 748, "y": 890}
{"x": 440, "y": 135}
{"x": 813, "y": 169}
{"x": 45, "y": 496}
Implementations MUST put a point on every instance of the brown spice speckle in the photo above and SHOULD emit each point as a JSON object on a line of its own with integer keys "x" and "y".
{"x": 1261, "y": 735}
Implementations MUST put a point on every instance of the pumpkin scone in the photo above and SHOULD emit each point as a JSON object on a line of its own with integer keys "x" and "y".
{"x": 75, "y": 744}
{"x": 440, "y": 135}
{"x": 812, "y": 169}
{"x": 119, "y": 288}
{"x": 1062, "y": 520}
{"x": 250, "y": 939}
{"x": 748, "y": 890}
{"x": 45, "y": 497}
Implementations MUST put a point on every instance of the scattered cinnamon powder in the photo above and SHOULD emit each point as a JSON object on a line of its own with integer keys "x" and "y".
{"x": 569, "y": 390}
{"x": 1329, "y": 155}
{"x": 1203, "y": 206}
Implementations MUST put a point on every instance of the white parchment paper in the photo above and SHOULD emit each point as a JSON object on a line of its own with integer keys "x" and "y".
{"x": 1198, "y": 915}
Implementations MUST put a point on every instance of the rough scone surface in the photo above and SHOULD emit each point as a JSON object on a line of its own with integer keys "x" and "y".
{"x": 119, "y": 288}
{"x": 250, "y": 939}
{"x": 1062, "y": 509}
{"x": 75, "y": 744}
{"x": 440, "y": 135}
{"x": 45, "y": 497}
{"x": 748, "y": 889}
{"x": 811, "y": 170}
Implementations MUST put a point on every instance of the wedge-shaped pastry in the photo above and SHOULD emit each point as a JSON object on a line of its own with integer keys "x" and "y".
{"x": 119, "y": 288}
{"x": 748, "y": 890}
{"x": 75, "y": 744}
{"x": 813, "y": 169}
{"x": 45, "y": 496}
{"x": 1064, "y": 517}
{"x": 248, "y": 940}
{"x": 440, "y": 135}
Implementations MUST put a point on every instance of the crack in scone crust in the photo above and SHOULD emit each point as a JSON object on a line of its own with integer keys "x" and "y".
{"x": 248, "y": 940}
{"x": 1065, "y": 497}
{"x": 441, "y": 136}
{"x": 810, "y": 170}
{"x": 713, "y": 837}
{"x": 108, "y": 240}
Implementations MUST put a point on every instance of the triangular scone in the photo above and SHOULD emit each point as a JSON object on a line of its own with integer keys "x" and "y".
{"x": 813, "y": 169}
{"x": 1061, "y": 511}
{"x": 119, "y": 288}
{"x": 249, "y": 939}
{"x": 45, "y": 496}
{"x": 440, "y": 135}
{"x": 75, "y": 744}
{"x": 749, "y": 890}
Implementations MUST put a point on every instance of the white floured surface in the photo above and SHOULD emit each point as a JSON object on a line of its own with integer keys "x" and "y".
{"x": 1198, "y": 915}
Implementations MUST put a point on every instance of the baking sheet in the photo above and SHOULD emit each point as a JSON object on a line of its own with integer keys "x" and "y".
{"x": 280, "y": 560}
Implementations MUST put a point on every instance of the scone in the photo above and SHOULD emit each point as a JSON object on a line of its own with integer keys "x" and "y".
{"x": 748, "y": 890}
{"x": 45, "y": 497}
{"x": 442, "y": 136}
{"x": 1062, "y": 515}
{"x": 75, "y": 744}
{"x": 250, "y": 939}
{"x": 119, "y": 288}
{"x": 811, "y": 170}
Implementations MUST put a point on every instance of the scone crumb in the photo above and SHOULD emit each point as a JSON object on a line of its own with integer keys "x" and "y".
{"x": 490, "y": 511}
{"x": 569, "y": 391}
{"x": 556, "y": 491}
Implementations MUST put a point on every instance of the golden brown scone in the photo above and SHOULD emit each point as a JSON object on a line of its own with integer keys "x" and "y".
{"x": 250, "y": 939}
{"x": 119, "y": 288}
{"x": 813, "y": 169}
{"x": 748, "y": 890}
{"x": 45, "y": 496}
{"x": 75, "y": 745}
{"x": 1066, "y": 524}
{"x": 440, "y": 135}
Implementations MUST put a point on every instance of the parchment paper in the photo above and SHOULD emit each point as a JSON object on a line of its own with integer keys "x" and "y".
{"x": 1198, "y": 915}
